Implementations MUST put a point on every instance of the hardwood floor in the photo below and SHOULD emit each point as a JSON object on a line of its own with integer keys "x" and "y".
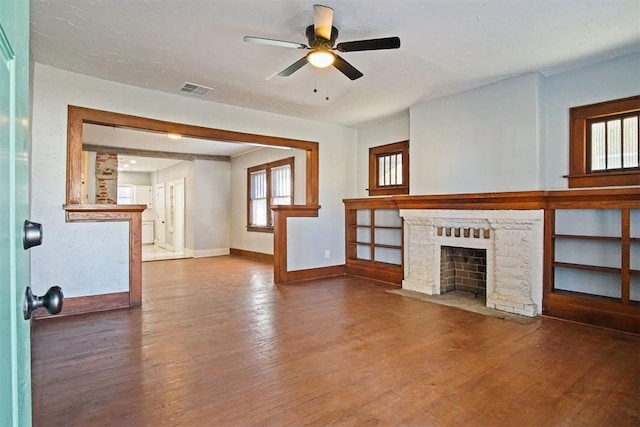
{"x": 216, "y": 343}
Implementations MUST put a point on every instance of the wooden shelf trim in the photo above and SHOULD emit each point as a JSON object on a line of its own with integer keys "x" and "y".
{"x": 376, "y": 245}
{"x": 103, "y": 208}
{"x": 372, "y": 261}
{"x": 614, "y": 198}
{"x": 587, "y": 267}
{"x": 596, "y": 302}
{"x": 382, "y": 227}
{"x": 375, "y": 270}
{"x": 583, "y": 237}
{"x": 386, "y": 246}
{"x": 357, "y": 242}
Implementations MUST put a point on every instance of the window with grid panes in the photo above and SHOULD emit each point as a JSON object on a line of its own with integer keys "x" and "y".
{"x": 269, "y": 184}
{"x": 613, "y": 143}
{"x": 605, "y": 144}
{"x": 389, "y": 169}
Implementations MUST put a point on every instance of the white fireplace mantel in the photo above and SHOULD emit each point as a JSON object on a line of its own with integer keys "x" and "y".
{"x": 513, "y": 240}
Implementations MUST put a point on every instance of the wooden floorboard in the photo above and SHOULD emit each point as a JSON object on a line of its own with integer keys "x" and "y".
{"x": 216, "y": 343}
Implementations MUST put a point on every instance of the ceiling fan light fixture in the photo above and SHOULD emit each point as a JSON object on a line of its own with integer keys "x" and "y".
{"x": 321, "y": 58}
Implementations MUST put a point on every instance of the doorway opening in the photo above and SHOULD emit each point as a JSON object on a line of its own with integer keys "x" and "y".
{"x": 77, "y": 211}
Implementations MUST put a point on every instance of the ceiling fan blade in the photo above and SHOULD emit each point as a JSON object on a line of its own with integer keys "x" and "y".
{"x": 272, "y": 42}
{"x": 371, "y": 44}
{"x": 293, "y": 67}
{"x": 322, "y": 21}
{"x": 346, "y": 68}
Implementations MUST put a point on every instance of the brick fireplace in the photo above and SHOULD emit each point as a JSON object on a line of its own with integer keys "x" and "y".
{"x": 512, "y": 239}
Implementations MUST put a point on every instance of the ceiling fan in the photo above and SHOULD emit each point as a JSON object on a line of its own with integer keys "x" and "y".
{"x": 322, "y": 37}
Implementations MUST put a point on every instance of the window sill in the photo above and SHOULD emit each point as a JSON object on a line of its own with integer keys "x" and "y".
{"x": 388, "y": 191}
{"x": 604, "y": 179}
{"x": 258, "y": 229}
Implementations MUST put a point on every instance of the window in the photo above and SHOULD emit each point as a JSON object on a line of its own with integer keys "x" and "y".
{"x": 125, "y": 194}
{"x": 605, "y": 144}
{"x": 389, "y": 169}
{"x": 269, "y": 184}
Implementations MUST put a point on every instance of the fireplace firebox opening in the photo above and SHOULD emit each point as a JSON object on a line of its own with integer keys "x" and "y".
{"x": 463, "y": 270}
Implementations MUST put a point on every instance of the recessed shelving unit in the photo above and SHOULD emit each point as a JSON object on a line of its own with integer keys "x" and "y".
{"x": 374, "y": 241}
{"x": 592, "y": 265}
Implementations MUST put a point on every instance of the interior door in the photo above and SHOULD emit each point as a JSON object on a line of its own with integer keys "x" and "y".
{"x": 170, "y": 204}
{"x": 15, "y": 346}
{"x": 161, "y": 230}
{"x": 176, "y": 214}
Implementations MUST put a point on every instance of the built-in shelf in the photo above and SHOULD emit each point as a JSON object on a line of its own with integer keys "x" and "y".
{"x": 379, "y": 257}
{"x": 577, "y": 237}
{"x": 377, "y": 245}
{"x": 587, "y": 267}
{"x": 582, "y": 303}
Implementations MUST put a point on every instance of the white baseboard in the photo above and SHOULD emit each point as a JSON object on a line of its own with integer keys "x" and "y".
{"x": 201, "y": 253}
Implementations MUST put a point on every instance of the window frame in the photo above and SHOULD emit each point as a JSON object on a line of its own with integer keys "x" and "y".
{"x": 375, "y": 189}
{"x": 580, "y": 174}
{"x": 131, "y": 189}
{"x": 267, "y": 167}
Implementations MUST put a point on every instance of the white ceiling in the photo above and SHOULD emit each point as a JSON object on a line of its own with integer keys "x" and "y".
{"x": 447, "y": 47}
{"x": 109, "y": 136}
{"x": 143, "y": 164}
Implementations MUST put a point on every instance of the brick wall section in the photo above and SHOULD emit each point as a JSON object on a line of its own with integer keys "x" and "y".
{"x": 106, "y": 178}
{"x": 463, "y": 269}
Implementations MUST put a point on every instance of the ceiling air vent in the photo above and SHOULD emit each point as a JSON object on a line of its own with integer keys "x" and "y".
{"x": 194, "y": 89}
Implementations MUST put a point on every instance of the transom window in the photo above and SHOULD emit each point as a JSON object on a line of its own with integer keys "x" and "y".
{"x": 269, "y": 184}
{"x": 613, "y": 142}
{"x": 389, "y": 169}
{"x": 605, "y": 144}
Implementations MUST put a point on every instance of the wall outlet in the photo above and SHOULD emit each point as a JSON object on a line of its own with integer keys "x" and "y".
{"x": 327, "y": 253}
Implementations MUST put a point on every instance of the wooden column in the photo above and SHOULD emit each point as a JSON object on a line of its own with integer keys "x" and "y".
{"x": 118, "y": 213}
{"x": 282, "y": 212}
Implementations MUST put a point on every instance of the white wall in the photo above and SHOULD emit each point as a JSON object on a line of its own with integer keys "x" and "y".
{"x": 211, "y": 201}
{"x": 134, "y": 178}
{"x": 614, "y": 79}
{"x": 482, "y": 140}
{"x": 308, "y": 238}
{"x": 87, "y": 258}
{"x": 388, "y": 131}
{"x": 512, "y": 135}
